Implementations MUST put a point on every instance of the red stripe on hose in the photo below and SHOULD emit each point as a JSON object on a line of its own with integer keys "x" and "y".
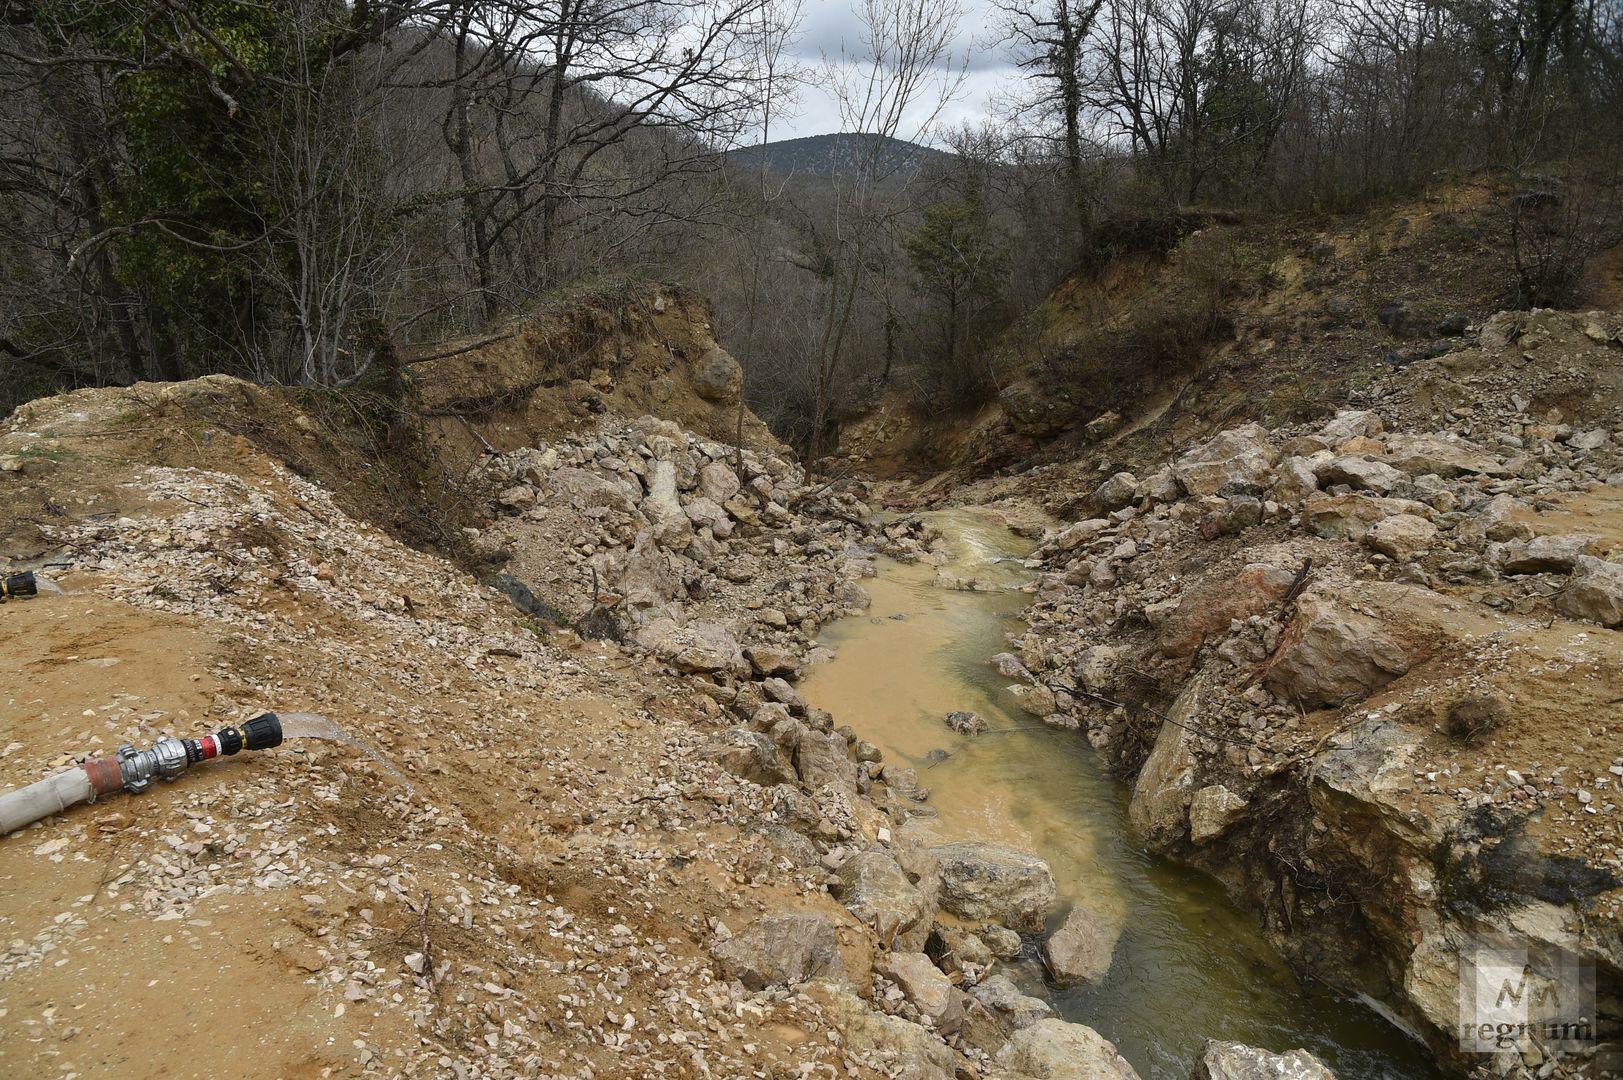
{"x": 209, "y": 745}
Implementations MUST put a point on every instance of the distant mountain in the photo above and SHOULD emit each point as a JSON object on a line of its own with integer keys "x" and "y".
{"x": 842, "y": 154}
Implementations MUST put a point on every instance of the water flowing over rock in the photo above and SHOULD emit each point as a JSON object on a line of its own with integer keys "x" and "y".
{"x": 774, "y": 949}
{"x": 1236, "y": 1061}
{"x": 1082, "y": 948}
{"x": 990, "y": 882}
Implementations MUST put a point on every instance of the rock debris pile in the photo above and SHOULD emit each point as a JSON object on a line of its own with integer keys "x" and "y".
{"x": 1368, "y": 671}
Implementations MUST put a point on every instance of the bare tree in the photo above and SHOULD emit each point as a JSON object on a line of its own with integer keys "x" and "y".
{"x": 1050, "y": 42}
{"x": 898, "y": 83}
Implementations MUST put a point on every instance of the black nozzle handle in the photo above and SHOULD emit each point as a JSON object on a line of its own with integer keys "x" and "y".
{"x": 262, "y": 732}
{"x": 22, "y": 584}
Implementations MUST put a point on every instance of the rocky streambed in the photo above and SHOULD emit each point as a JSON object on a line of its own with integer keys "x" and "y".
{"x": 1152, "y": 956}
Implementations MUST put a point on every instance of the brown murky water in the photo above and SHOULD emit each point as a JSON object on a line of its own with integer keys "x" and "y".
{"x": 1188, "y": 966}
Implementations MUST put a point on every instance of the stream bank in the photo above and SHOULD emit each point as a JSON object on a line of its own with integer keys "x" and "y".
{"x": 1365, "y": 672}
{"x": 1187, "y": 965}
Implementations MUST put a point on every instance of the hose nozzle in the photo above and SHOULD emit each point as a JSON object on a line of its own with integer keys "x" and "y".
{"x": 16, "y": 586}
{"x": 131, "y": 769}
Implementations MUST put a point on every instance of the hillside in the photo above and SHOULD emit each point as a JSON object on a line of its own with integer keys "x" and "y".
{"x": 842, "y": 154}
{"x": 1203, "y": 321}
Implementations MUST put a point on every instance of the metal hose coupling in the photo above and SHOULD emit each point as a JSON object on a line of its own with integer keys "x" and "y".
{"x": 131, "y": 770}
{"x": 134, "y": 770}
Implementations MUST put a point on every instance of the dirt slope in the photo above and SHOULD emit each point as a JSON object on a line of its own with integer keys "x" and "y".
{"x": 1279, "y": 320}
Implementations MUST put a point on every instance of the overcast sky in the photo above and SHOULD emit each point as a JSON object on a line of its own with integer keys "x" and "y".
{"x": 829, "y": 24}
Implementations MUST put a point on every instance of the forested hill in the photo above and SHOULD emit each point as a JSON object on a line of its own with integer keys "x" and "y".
{"x": 841, "y": 154}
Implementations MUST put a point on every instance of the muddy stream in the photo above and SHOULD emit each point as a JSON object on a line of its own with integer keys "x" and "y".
{"x": 1188, "y": 965}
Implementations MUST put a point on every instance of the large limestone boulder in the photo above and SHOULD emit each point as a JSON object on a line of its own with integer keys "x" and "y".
{"x": 1056, "y": 1050}
{"x": 923, "y": 983}
{"x": 1006, "y": 1001}
{"x": 1073, "y": 536}
{"x": 749, "y": 755}
{"x": 1167, "y": 781}
{"x": 989, "y": 882}
{"x": 1350, "y": 517}
{"x": 1294, "y": 481}
{"x": 1402, "y": 536}
{"x": 718, "y": 482}
{"x": 769, "y": 661}
{"x": 1241, "y": 456}
{"x": 787, "y": 948}
{"x": 1236, "y": 1061}
{"x": 647, "y": 577}
{"x": 707, "y": 513}
{"x": 1081, "y": 950}
{"x": 1361, "y": 472}
{"x": 1595, "y": 593}
{"x": 1332, "y": 655}
{"x": 717, "y": 376}
{"x": 663, "y": 506}
{"x": 876, "y": 891}
{"x": 1446, "y": 456}
{"x": 583, "y": 490}
{"x": 1363, "y": 786}
{"x": 1212, "y": 811}
{"x": 1351, "y": 424}
{"x": 697, "y": 648}
{"x": 1114, "y": 493}
{"x": 1545, "y": 554}
{"x": 821, "y": 761}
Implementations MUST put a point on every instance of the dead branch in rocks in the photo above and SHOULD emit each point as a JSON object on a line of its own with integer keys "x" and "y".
{"x": 1297, "y": 585}
{"x": 427, "y": 944}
